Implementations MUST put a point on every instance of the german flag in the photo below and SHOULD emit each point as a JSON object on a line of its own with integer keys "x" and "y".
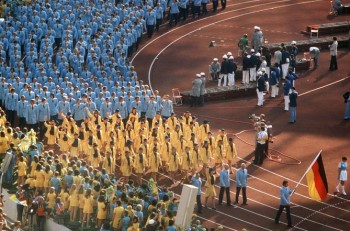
{"x": 317, "y": 181}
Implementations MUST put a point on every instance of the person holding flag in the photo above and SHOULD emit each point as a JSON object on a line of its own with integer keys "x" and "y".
{"x": 285, "y": 193}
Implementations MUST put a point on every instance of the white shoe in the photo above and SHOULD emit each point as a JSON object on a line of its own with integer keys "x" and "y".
{"x": 337, "y": 189}
{"x": 343, "y": 193}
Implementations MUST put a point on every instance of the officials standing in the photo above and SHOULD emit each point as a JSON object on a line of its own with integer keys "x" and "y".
{"x": 333, "y": 52}
{"x": 293, "y": 105}
{"x": 196, "y": 90}
{"x": 241, "y": 183}
{"x": 197, "y": 181}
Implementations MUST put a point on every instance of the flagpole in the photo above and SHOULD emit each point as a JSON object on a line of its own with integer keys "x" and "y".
{"x": 312, "y": 163}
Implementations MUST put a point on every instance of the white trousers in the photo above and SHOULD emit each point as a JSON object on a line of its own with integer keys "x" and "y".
{"x": 274, "y": 91}
{"x": 245, "y": 76}
{"x": 268, "y": 71}
{"x": 231, "y": 79}
{"x": 252, "y": 72}
{"x": 260, "y": 97}
{"x": 285, "y": 70}
{"x": 286, "y": 102}
{"x": 222, "y": 77}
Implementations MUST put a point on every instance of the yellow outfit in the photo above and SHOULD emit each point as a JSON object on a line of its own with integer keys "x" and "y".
{"x": 50, "y": 134}
{"x": 47, "y": 178}
{"x": 117, "y": 215}
{"x": 155, "y": 162}
{"x": 4, "y": 144}
{"x": 88, "y": 205}
{"x": 51, "y": 197}
{"x": 126, "y": 166}
{"x": 74, "y": 199}
{"x": 231, "y": 151}
{"x": 206, "y": 155}
{"x": 140, "y": 163}
{"x": 101, "y": 210}
{"x": 174, "y": 162}
{"x": 39, "y": 178}
{"x": 196, "y": 159}
{"x": 186, "y": 161}
{"x": 22, "y": 168}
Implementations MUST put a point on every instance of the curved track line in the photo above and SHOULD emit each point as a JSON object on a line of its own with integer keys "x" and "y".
{"x": 210, "y": 24}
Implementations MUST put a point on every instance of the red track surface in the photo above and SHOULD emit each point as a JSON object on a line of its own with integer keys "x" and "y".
{"x": 319, "y": 120}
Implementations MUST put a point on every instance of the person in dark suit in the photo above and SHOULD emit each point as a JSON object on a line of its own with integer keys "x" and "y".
{"x": 346, "y": 97}
{"x": 293, "y": 105}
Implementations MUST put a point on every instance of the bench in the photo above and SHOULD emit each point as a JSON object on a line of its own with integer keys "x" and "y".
{"x": 329, "y": 28}
{"x": 346, "y": 9}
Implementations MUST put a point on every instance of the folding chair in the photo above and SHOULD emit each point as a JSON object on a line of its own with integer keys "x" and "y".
{"x": 177, "y": 97}
{"x": 314, "y": 30}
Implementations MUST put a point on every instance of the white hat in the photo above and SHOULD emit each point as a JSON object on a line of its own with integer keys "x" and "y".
{"x": 256, "y": 28}
{"x": 224, "y": 57}
{"x": 215, "y": 59}
{"x": 263, "y": 69}
{"x": 151, "y": 222}
{"x": 252, "y": 50}
{"x": 293, "y": 42}
{"x": 198, "y": 75}
{"x": 257, "y": 54}
{"x": 259, "y": 73}
{"x": 229, "y": 54}
{"x": 231, "y": 57}
{"x": 202, "y": 73}
{"x": 311, "y": 48}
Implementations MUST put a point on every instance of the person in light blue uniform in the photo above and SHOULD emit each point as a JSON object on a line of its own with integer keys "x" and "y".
{"x": 241, "y": 183}
{"x": 21, "y": 111}
{"x": 106, "y": 108}
{"x": 174, "y": 11}
{"x": 31, "y": 115}
{"x": 123, "y": 109}
{"x": 43, "y": 116}
{"x": 225, "y": 185}
{"x": 285, "y": 193}
{"x": 166, "y": 107}
{"x": 79, "y": 112}
{"x": 150, "y": 22}
{"x": 197, "y": 182}
{"x": 152, "y": 109}
{"x": 159, "y": 11}
{"x": 11, "y": 105}
{"x": 53, "y": 104}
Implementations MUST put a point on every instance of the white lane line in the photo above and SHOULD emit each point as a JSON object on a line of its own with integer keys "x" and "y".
{"x": 324, "y": 86}
{"x": 210, "y": 24}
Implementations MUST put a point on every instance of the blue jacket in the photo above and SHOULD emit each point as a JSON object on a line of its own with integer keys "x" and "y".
{"x": 285, "y": 195}
{"x": 241, "y": 177}
{"x": 11, "y": 101}
{"x": 293, "y": 99}
{"x": 53, "y": 103}
{"x": 31, "y": 114}
{"x": 224, "y": 178}
{"x": 21, "y": 108}
{"x": 78, "y": 112}
{"x": 197, "y": 182}
{"x": 43, "y": 112}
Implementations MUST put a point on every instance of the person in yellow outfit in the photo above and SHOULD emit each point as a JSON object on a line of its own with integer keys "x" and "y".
{"x": 33, "y": 166}
{"x": 203, "y": 131}
{"x": 100, "y": 136}
{"x": 4, "y": 143}
{"x": 186, "y": 161}
{"x": 172, "y": 121}
{"x": 174, "y": 163}
{"x": 81, "y": 194}
{"x": 47, "y": 178}
{"x": 75, "y": 146}
{"x": 130, "y": 132}
{"x": 51, "y": 133}
{"x": 63, "y": 139}
{"x": 146, "y": 148}
{"x": 181, "y": 144}
{"x": 126, "y": 165}
{"x": 211, "y": 142}
{"x": 101, "y": 211}
{"x": 51, "y": 198}
{"x": 64, "y": 195}
{"x": 222, "y": 136}
{"x": 196, "y": 157}
{"x": 231, "y": 152}
{"x": 83, "y": 137}
{"x": 140, "y": 164}
{"x": 117, "y": 215}
{"x": 154, "y": 163}
{"x": 220, "y": 153}
{"x": 89, "y": 148}
{"x": 22, "y": 170}
{"x": 88, "y": 207}
{"x": 73, "y": 202}
{"x": 210, "y": 186}
{"x": 165, "y": 152}
{"x": 95, "y": 117}
{"x": 109, "y": 163}
{"x": 133, "y": 114}
{"x": 96, "y": 157}
{"x": 206, "y": 154}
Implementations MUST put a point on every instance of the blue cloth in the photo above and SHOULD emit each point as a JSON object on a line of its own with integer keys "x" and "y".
{"x": 241, "y": 177}
{"x": 224, "y": 178}
{"x": 347, "y": 110}
{"x": 285, "y": 195}
{"x": 293, "y": 114}
{"x": 197, "y": 182}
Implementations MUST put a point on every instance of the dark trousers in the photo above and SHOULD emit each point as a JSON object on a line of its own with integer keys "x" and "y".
{"x": 197, "y": 10}
{"x": 221, "y": 195}
{"x": 195, "y": 101}
{"x": 244, "y": 194}
{"x": 280, "y": 210}
{"x": 42, "y": 130}
{"x": 199, "y": 203}
{"x": 40, "y": 220}
{"x": 158, "y": 23}
{"x": 22, "y": 122}
{"x": 183, "y": 13}
{"x": 333, "y": 65}
{"x": 204, "y": 9}
{"x": 259, "y": 153}
{"x": 223, "y": 4}
{"x": 20, "y": 212}
{"x": 215, "y": 5}
{"x": 11, "y": 115}
{"x": 150, "y": 29}
{"x": 32, "y": 126}
{"x": 173, "y": 17}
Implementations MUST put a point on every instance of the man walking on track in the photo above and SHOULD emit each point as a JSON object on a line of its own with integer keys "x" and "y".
{"x": 241, "y": 183}
{"x": 293, "y": 106}
{"x": 285, "y": 193}
{"x": 225, "y": 185}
